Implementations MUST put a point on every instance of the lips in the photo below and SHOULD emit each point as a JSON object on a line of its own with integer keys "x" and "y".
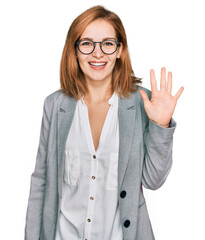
{"x": 97, "y": 65}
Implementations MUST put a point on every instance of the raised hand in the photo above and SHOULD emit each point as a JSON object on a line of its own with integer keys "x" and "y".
{"x": 162, "y": 104}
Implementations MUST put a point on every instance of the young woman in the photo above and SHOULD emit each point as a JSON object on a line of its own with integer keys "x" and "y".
{"x": 102, "y": 138}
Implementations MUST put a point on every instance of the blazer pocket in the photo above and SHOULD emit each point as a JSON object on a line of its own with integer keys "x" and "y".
{"x": 112, "y": 177}
{"x": 72, "y": 167}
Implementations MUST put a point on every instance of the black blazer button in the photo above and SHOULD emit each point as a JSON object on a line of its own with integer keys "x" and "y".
{"x": 123, "y": 194}
{"x": 127, "y": 223}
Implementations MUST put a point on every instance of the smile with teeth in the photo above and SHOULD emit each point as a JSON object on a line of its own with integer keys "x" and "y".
{"x": 97, "y": 64}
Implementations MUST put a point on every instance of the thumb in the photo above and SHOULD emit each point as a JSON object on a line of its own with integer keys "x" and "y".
{"x": 144, "y": 97}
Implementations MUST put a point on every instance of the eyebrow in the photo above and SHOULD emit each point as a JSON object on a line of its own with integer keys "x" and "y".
{"x": 107, "y": 38}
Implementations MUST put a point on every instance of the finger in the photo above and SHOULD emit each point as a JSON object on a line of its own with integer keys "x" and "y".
{"x": 178, "y": 94}
{"x": 153, "y": 81}
{"x": 163, "y": 79}
{"x": 169, "y": 83}
{"x": 144, "y": 97}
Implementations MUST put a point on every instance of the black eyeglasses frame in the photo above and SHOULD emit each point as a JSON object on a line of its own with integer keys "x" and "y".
{"x": 78, "y": 42}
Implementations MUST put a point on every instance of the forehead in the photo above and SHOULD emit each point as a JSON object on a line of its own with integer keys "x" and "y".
{"x": 98, "y": 30}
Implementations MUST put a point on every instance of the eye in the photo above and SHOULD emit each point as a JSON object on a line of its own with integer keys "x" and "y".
{"x": 108, "y": 43}
{"x": 86, "y": 43}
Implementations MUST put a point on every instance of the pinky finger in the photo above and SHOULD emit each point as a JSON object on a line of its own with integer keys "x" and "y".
{"x": 178, "y": 94}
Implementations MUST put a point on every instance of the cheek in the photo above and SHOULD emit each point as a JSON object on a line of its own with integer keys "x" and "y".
{"x": 81, "y": 57}
{"x": 113, "y": 61}
{"x": 82, "y": 61}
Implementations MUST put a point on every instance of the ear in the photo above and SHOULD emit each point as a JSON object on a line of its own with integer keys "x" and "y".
{"x": 119, "y": 50}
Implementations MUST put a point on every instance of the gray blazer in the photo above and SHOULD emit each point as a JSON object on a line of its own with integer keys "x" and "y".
{"x": 145, "y": 158}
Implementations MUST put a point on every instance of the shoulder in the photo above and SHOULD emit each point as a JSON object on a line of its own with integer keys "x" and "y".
{"x": 136, "y": 98}
{"x": 140, "y": 104}
{"x": 54, "y": 96}
{"x": 53, "y": 100}
{"x": 58, "y": 100}
{"x": 145, "y": 90}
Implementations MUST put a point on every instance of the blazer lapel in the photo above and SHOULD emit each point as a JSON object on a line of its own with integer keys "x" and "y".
{"x": 126, "y": 115}
{"x": 65, "y": 117}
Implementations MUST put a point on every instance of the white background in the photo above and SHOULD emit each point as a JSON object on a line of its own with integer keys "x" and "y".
{"x": 160, "y": 33}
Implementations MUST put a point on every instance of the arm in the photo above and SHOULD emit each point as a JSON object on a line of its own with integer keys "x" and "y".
{"x": 159, "y": 127}
{"x": 157, "y": 162}
{"x": 38, "y": 181}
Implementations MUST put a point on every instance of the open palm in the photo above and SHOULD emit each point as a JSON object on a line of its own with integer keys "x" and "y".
{"x": 162, "y": 104}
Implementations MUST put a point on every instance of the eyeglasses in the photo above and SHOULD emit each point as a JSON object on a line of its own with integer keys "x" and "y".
{"x": 88, "y": 46}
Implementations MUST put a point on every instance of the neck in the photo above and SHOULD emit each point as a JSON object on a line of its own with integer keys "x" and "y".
{"x": 98, "y": 91}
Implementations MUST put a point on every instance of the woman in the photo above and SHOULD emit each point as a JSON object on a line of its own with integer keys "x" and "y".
{"x": 102, "y": 138}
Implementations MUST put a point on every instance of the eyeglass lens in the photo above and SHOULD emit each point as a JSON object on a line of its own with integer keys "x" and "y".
{"x": 87, "y": 46}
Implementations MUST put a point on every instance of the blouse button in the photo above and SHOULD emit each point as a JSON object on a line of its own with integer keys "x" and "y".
{"x": 89, "y": 220}
{"x": 91, "y": 198}
{"x": 94, "y": 156}
{"x": 93, "y": 177}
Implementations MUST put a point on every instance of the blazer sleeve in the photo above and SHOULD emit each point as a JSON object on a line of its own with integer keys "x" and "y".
{"x": 158, "y": 143}
{"x": 38, "y": 181}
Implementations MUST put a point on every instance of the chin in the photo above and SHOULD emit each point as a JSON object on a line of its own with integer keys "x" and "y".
{"x": 98, "y": 77}
{"x": 101, "y": 79}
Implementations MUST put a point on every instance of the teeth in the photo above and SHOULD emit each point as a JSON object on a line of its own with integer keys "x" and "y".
{"x": 97, "y": 64}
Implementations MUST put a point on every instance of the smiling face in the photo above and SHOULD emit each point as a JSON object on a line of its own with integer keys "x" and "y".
{"x": 98, "y": 66}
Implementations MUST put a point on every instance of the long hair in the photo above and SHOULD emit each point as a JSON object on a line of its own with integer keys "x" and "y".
{"x": 72, "y": 79}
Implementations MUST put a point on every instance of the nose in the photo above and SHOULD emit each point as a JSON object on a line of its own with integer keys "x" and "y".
{"x": 97, "y": 51}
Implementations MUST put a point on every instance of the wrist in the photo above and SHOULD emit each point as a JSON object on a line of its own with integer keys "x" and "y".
{"x": 162, "y": 125}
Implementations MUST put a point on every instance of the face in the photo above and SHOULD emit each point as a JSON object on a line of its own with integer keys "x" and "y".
{"x": 98, "y": 66}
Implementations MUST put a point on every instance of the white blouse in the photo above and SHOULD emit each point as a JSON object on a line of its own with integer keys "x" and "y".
{"x": 89, "y": 206}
